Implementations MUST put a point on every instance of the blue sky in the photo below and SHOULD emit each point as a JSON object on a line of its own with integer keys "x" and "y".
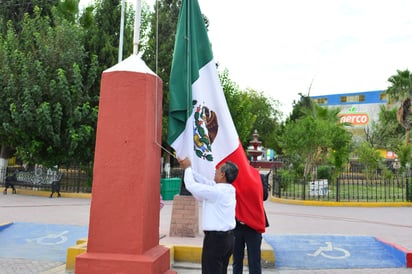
{"x": 283, "y": 48}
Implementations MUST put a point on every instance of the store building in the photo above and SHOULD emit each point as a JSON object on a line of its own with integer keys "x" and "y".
{"x": 358, "y": 108}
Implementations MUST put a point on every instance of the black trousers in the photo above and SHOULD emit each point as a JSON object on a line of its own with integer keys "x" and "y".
{"x": 7, "y": 184}
{"x": 246, "y": 236}
{"x": 217, "y": 249}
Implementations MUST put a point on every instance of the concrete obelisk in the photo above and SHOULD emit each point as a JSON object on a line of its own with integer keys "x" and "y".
{"x": 124, "y": 213}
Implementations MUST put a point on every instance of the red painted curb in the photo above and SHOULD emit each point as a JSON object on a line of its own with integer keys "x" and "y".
{"x": 407, "y": 252}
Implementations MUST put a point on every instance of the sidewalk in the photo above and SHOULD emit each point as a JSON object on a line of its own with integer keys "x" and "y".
{"x": 392, "y": 224}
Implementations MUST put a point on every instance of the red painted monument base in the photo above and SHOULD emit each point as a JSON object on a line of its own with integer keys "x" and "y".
{"x": 155, "y": 260}
{"x": 125, "y": 207}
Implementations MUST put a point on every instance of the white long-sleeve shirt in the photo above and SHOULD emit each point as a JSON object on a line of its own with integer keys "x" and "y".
{"x": 218, "y": 201}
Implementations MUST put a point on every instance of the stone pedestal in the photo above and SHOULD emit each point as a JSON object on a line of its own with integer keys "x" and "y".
{"x": 185, "y": 217}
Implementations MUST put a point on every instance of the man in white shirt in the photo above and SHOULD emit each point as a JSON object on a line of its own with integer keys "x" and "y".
{"x": 218, "y": 213}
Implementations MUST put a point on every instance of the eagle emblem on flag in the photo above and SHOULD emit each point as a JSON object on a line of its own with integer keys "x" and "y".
{"x": 204, "y": 131}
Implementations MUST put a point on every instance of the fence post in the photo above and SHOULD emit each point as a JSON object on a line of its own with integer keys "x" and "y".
{"x": 337, "y": 189}
{"x": 304, "y": 187}
{"x": 408, "y": 190}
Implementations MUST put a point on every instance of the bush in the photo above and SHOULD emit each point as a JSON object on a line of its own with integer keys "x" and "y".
{"x": 324, "y": 172}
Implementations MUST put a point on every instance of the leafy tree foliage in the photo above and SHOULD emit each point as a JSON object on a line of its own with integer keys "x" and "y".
{"x": 298, "y": 110}
{"x": 240, "y": 108}
{"x": 268, "y": 118}
{"x": 68, "y": 9}
{"x": 369, "y": 157}
{"x": 400, "y": 85}
{"x": 15, "y": 10}
{"x": 53, "y": 59}
{"x": 45, "y": 110}
{"x": 314, "y": 137}
{"x": 101, "y": 23}
{"x": 404, "y": 152}
{"x": 386, "y": 133}
{"x": 401, "y": 90}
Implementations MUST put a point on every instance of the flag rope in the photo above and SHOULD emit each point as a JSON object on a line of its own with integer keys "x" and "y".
{"x": 157, "y": 86}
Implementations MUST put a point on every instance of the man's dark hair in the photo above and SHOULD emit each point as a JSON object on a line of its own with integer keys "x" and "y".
{"x": 231, "y": 170}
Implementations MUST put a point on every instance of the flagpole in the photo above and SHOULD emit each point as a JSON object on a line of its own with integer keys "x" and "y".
{"x": 188, "y": 57}
{"x": 137, "y": 27}
{"x": 120, "y": 56}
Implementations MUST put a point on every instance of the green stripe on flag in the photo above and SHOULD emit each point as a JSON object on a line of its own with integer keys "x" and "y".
{"x": 192, "y": 51}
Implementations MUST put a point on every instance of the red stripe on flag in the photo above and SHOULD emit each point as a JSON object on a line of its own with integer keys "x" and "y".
{"x": 249, "y": 191}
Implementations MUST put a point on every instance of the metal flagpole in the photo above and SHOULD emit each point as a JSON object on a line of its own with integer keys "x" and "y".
{"x": 120, "y": 56}
{"x": 137, "y": 27}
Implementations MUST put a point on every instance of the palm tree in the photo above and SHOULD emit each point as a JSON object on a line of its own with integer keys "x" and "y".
{"x": 400, "y": 90}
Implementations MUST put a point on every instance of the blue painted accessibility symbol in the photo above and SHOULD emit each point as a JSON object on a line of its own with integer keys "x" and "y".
{"x": 331, "y": 252}
{"x": 39, "y": 241}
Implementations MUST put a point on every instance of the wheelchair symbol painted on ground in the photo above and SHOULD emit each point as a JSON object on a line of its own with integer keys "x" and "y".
{"x": 51, "y": 239}
{"x": 324, "y": 250}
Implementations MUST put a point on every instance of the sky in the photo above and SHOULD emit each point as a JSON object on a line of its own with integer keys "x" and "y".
{"x": 317, "y": 47}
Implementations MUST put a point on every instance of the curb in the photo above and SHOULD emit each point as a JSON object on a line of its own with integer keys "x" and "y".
{"x": 42, "y": 193}
{"x": 178, "y": 254}
{"x": 403, "y": 254}
{"x": 5, "y": 225}
{"x": 339, "y": 204}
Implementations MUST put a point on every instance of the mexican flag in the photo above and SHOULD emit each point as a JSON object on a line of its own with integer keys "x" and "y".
{"x": 200, "y": 124}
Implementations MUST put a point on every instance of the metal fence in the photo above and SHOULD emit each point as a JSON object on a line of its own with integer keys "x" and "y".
{"x": 349, "y": 186}
{"x": 352, "y": 185}
{"x": 74, "y": 179}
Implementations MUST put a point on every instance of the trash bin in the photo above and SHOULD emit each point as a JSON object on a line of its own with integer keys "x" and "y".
{"x": 169, "y": 187}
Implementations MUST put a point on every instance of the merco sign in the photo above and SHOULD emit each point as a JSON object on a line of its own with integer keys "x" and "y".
{"x": 354, "y": 118}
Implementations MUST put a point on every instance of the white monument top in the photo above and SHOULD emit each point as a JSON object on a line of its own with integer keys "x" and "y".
{"x": 133, "y": 63}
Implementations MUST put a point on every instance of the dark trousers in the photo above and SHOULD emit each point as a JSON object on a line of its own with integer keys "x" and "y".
{"x": 246, "y": 236}
{"x": 7, "y": 184}
{"x": 217, "y": 249}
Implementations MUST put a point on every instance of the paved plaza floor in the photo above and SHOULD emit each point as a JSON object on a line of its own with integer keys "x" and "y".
{"x": 392, "y": 224}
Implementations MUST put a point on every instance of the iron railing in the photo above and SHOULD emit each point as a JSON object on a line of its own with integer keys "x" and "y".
{"x": 74, "y": 179}
{"x": 349, "y": 186}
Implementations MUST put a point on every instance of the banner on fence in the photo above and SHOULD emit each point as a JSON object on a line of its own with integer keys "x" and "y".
{"x": 318, "y": 188}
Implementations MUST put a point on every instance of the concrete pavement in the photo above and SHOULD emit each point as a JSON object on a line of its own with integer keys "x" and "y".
{"x": 393, "y": 224}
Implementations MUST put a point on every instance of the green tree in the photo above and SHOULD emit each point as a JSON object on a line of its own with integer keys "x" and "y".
{"x": 298, "y": 110}
{"x": 404, "y": 153}
{"x": 386, "y": 133}
{"x": 68, "y": 9}
{"x": 240, "y": 107}
{"x": 369, "y": 157}
{"x": 314, "y": 137}
{"x": 15, "y": 10}
{"x": 45, "y": 102}
{"x": 268, "y": 118}
{"x": 400, "y": 90}
{"x": 101, "y": 23}
{"x": 400, "y": 86}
